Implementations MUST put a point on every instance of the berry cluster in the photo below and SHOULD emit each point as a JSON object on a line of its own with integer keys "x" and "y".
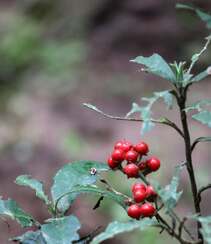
{"x": 132, "y": 154}
{"x": 141, "y": 194}
{"x": 131, "y": 160}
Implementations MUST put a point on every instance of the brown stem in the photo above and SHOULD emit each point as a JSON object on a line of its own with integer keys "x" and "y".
{"x": 181, "y": 102}
{"x": 202, "y": 189}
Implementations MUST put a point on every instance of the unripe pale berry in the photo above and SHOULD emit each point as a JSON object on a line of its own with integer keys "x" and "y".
{"x": 118, "y": 155}
{"x": 131, "y": 156}
{"x": 139, "y": 195}
{"x": 131, "y": 170}
{"x": 134, "y": 211}
{"x": 147, "y": 210}
{"x": 142, "y": 148}
{"x": 153, "y": 163}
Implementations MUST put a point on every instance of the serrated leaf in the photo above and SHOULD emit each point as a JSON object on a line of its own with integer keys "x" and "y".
{"x": 145, "y": 111}
{"x": 92, "y": 189}
{"x": 10, "y": 208}
{"x": 203, "y": 117}
{"x": 71, "y": 175}
{"x": 37, "y": 186}
{"x": 201, "y": 76}
{"x": 30, "y": 237}
{"x": 169, "y": 194}
{"x": 198, "y": 105}
{"x": 116, "y": 228}
{"x": 61, "y": 230}
{"x": 156, "y": 65}
{"x": 206, "y": 227}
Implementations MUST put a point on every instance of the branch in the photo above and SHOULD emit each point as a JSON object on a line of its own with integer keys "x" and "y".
{"x": 200, "y": 139}
{"x": 163, "y": 121}
{"x": 202, "y": 189}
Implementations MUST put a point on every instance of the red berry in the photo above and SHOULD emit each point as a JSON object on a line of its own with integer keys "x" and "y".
{"x": 131, "y": 156}
{"x": 134, "y": 211}
{"x": 142, "y": 148}
{"x": 126, "y": 146}
{"x": 118, "y": 145}
{"x": 147, "y": 210}
{"x": 118, "y": 155}
{"x": 150, "y": 191}
{"x": 139, "y": 195}
{"x": 138, "y": 186}
{"x": 153, "y": 163}
{"x": 112, "y": 164}
{"x": 131, "y": 170}
{"x": 142, "y": 165}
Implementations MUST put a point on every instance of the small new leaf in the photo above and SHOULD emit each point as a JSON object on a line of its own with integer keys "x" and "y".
{"x": 10, "y": 208}
{"x": 198, "y": 105}
{"x": 203, "y": 117}
{"x": 37, "y": 186}
{"x": 74, "y": 174}
{"x": 156, "y": 65}
{"x": 116, "y": 228}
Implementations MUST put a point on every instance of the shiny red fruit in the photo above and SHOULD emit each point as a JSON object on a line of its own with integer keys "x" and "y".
{"x": 112, "y": 164}
{"x": 118, "y": 155}
{"x": 126, "y": 146}
{"x": 150, "y": 191}
{"x": 139, "y": 195}
{"x": 131, "y": 156}
{"x": 118, "y": 145}
{"x": 142, "y": 165}
{"x": 138, "y": 186}
{"x": 147, "y": 210}
{"x": 142, "y": 148}
{"x": 131, "y": 170}
{"x": 134, "y": 211}
{"x": 153, "y": 163}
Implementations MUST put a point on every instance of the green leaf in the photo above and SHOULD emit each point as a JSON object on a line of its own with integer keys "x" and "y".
{"x": 201, "y": 14}
{"x": 72, "y": 174}
{"x": 169, "y": 194}
{"x": 203, "y": 117}
{"x": 10, "y": 208}
{"x": 92, "y": 189}
{"x": 156, "y": 65}
{"x": 116, "y": 228}
{"x": 201, "y": 76}
{"x": 30, "y": 237}
{"x": 61, "y": 230}
{"x": 206, "y": 228}
{"x": 145, "y": 111}
{"x": 198, "y": 105}
{"x": 37, "y": 186}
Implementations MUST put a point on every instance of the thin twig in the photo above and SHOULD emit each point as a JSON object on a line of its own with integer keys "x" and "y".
{"x": 200, "y": 139}
{"x": 163, "y": 121}
{"x": 202, "y": 189}
{"x": 181, "y": 226}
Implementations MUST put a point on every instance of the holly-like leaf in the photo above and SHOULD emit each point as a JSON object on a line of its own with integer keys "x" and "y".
{"x": 169, "y": 194}
{"x": 201, "y": 76}
{"x": 92, "y": 189}
{"x": 204, "y": 117}
{"x": 10, "y": 208}
{"x": 206, "y": 227}
{"x": 37, "y": 186}
{"x": 156, "y": 65}
{"x": 30, "y": 237}
{"x": 61, "y": 230}
{"x": 145, "y": 111}
{"x": 74, "y": 174}
{"x": 198, "y": 105}
{"x": 201, "y": 14}
{"x": 116, "y": 228}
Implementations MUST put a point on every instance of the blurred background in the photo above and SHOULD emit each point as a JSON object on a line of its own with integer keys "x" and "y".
{"x": 55, "y": 55}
